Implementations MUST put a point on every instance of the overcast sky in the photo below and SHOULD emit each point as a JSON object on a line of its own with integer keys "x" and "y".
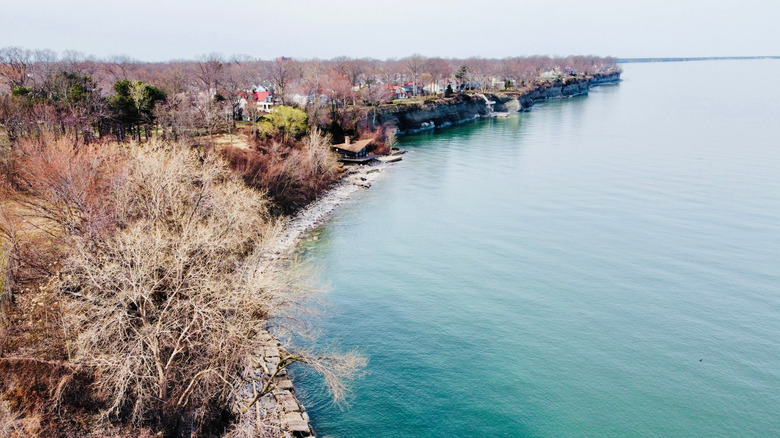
{"x": 160, "y": 30}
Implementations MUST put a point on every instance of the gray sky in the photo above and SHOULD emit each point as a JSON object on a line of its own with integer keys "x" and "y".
{"x": 159, "y": 30}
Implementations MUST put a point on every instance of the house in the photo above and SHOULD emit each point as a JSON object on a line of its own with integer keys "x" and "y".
{"x": 350, "y": 151}
{"x": 263, "y": 99}
{"x": 406, "y": 89}
{"x": 300, "y": 100}
{"x": 398, "y": 91}
{"x": 435, "y": 88}
{"x": 498, "y": 83}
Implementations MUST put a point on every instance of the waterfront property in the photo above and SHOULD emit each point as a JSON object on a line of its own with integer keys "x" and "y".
{"x": 353, "y": 152}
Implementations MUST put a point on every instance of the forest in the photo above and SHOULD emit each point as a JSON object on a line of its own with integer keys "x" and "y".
{"x": 85, "y": 98}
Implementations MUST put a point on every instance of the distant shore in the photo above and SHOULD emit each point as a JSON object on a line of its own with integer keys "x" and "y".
{"x": 706, "y": 58}
{"x": 417, "y": 116}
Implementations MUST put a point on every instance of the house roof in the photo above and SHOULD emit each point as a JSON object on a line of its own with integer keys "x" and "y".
{"x": 354, "y": 146}
{"x": 261, "y": 96}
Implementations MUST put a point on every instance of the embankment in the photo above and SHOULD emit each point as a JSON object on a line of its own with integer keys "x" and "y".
{"x": 414, "y": 117}
{"x": 279, "y": 411}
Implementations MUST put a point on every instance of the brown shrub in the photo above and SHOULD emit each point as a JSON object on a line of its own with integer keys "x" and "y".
{"x": 44, "y": 398}
{"x": 384, "y": 137}
{"x": 53, "y": 191}
{"x": 164, "y": 309}
{"x": 292, "y": 176}
{"x": 69, "y": 185}
{"x": 158, "y": 285}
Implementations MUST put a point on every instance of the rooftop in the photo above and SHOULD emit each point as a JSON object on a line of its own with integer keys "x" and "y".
{"x": 353, "y": 146}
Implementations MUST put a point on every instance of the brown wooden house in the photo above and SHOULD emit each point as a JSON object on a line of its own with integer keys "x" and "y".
{"x": 350, "y": 151}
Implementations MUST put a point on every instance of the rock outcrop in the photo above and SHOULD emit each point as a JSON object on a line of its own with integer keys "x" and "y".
{"x": 415, "y": 117}
{"x": 409, "y": 118}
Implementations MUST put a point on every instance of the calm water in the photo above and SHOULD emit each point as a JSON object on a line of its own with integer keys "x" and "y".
{"x": 601, "y": 266}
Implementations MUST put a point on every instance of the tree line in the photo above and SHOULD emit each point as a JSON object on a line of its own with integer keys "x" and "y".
{"x": 82, "y": 97}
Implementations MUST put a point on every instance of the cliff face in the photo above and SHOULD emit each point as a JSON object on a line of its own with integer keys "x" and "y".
{"x": 415, "y": 117}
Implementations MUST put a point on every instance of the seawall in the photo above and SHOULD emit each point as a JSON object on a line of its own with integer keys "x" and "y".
{"x": 279, "y": 413}
{"x": 412, "y": 117}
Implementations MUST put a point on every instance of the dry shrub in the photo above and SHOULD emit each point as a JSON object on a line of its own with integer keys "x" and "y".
{"x": 51, "y": 191}
{"x": 293, "y": 176}
{"x": 54, "y": 190}
{"x": 12, "y": 424}
{"x": 44, "y": 398}
{"x": 156, "y": 277}
{"x": 66, "y": 184}
{"x": 165, "y": 308}
{"x": 384, "y": 136}
{"x": 5, "y": 291}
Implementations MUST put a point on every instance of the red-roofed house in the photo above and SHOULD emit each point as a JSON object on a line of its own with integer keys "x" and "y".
{"x": 263, "y": 99}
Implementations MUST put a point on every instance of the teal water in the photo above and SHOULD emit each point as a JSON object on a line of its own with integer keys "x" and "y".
{"x": 601, "y": 266}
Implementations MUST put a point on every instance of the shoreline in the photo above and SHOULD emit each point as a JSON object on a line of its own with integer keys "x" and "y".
{"x": 423, "y": 115}
{"x": 315, "y": 214}
{"x": 280, "y": 410}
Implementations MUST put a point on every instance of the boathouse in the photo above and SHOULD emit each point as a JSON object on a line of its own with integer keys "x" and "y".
{"x": 350, "y": 151}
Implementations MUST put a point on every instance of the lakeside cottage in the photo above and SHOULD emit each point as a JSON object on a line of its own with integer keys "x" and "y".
{"x": 354, "y": 152}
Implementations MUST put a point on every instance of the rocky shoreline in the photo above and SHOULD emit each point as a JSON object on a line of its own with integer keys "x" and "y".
{"x": 279, "y": 413}
{"x": 311, "y": 217}
{"x": 415, "y": 117}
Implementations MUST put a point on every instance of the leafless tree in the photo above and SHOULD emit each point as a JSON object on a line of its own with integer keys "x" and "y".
{"x": 352, "y": 69}
{"x": 209, "y": 72}
{"x": 438, "y": 68}
{"x": 415, "y": 64}
{"x": 15, "y": 66}
{"x": 119, "y": 67}
{"x": 281, "y": 72}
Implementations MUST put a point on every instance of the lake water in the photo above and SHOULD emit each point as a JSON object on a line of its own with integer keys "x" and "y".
{"x": 606, "y": 265}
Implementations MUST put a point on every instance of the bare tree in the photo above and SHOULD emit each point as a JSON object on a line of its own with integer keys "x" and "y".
{"x": 438, "y": 68}
{"x": 415, "y": 64}
{"x": 167, "y": 308}
{"x": 282, "y": 72}
{"x": 374, "y": 95}
{"x": 15, "y": 66}
{"x": 239, "y": 76}
{"x": 119, "y": 67}
{"x": 175, "y": 78}
{"x": 209, "y": 72}
{"x": 352, "y": 69}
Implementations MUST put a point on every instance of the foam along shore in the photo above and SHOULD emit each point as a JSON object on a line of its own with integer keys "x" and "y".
{"x": 280, "y": 411}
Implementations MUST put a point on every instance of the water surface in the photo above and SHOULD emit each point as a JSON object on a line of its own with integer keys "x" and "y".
{"x": 606, "y": 265}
